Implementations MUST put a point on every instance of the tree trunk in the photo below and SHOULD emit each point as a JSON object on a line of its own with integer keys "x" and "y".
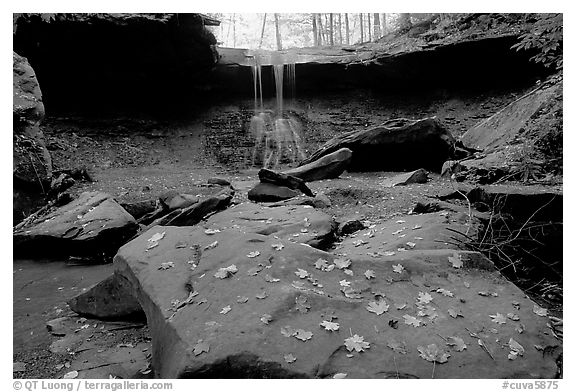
{"x": 314, "y": 30}
{"x": 331, "y": 29}
{"x": 347, "y": 29}
{"x": 369, "y": 28}
{"x": 361, "y": 30}
{"x": 383, "y": 24}
{"x": 262, "y": 34}
{"x": 376, "y": 26}
{"x": 233, "y": 30}
{"x": 320, "y": 30}
{"x": 278, "y": 37}
{"x": 340, "y": 29}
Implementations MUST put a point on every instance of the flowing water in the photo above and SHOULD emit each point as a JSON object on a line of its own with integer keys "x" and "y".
{"x": 277, "y": 133}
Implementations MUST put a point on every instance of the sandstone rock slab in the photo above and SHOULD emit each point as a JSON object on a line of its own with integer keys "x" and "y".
{"x": 325, "y": 167}
{"x": 419, "y": 176}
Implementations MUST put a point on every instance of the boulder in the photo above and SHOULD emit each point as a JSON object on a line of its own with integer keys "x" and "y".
{"x": 302, "y": 224}
{"x": 265, "y": 192}
{"x": 396, "y": 145}
{"x": 218, "y": 181}
{"x": 92, "y": 224}
{"x": 419, "y": 176}
{"x": 271, "y": 177}
{"x": 139, "y": 208}
{"x": 110, "y": 299}
{"x": 325, "y": 167}
{"x": 249, "y": 308}
{"x": 205, "y": 206}
{"x": 318, "y": 201}
{"x": 32, "y": 165}
{"x": 350, "y": 227}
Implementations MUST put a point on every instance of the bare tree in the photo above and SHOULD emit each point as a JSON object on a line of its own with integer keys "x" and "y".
{"x": 376, "y": 26}
{"x": 361, "y": 29}
{"x": 314, "y": 30}
{"x": 340, "y": 28}
{"x": 369, "y": 28}
{"x": 321, "y": 39}
{"x": 278, "y": 37}
{"x": 383, "y": 25}
{"x": 347, "y": 29}
{"x": 262, "y": 35}
{"x": 331, "y": 29}
{"x": 233, "y": 30}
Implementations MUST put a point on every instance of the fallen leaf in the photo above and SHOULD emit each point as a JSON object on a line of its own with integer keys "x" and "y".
{"x": 349, "y": 272}
{"x": 301, "y": 304}
{"x": 540, "y": 311}
{"x": 157, "y": 237}
{"x": 515, "y": 346}
{"x": 433, "y": 354}
{"x": 396, "y": 346}
{"x": 456, "y": 260}
{"x": 428, "y": 311}
{"x": 398, "y": 231}
{"x": 151, "y": 245}
{"x": 388, "y": 253}
{"x": 340, "y": 375}
{"x": 445, "y": 292}
{"x": 165, "y": 266}
{"x": 211, "y": 246}
{"x": 398, "y": 268}
{"x": 379, "y": 307}
{"x": 356, "y": 343}
{"x": 300, "y": 334}
{"x": 321, "y": 264}
{"x": 242, "y": 300}
{"x": 513, "y": 316}
{"x": 342, "y": 263}
{"x": 254, "y": 270}
{"x": 410, "y": 244}
{"x": 201, "y": 347}
{"x": 369, "y": 274}
{"x": 424, "y": 298}
{"x": 330, "y": 326}
{"x": 520, "y": 328}
{"x": 268, "y": 278}
{"x": 454, "y": 313}
{"x": 289, "y": 358}
{"x": 302, "y": 274}
{"x": 457, "y": 342}
{"x": 344, "y": 283}
{"x": 349, "y": 292}
{"x": 262, "y": 295}
{"x": 69, "y": 375}
{"x": 277, "y": 246}
{"x": 226, "y": 309}
{"x": 512, "y": 355}
{"x": 287, "y": 331}
{"x": 251, "y": 255}
{"x": 411, "y": 320}
{"x": 211, "y": 231}
{"x": 400, "y": 306}
{"x": 400, "y": 221}
{"x": 226, "y": 272}
{"x": 416, "y": 227}
{"x": 266, "y": 318}
{"x": 498, "y": 318}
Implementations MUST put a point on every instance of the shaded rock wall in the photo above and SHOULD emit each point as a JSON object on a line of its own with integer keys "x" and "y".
{"x": 91, "y": 62}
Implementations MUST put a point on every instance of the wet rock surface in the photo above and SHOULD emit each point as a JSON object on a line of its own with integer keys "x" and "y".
{"x": 325, "y": 167}
{"x": 266, "y": 192}
{"x": 92, "y": 224}
{"x": 249, "y": 308}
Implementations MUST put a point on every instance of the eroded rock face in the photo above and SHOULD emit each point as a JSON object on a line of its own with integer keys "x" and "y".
{"x": 326, "y": 167}
{"x": 296, "y": 223}
{"x": 92, "y": 224}
{"x": 32, "y": 166}
{"x": 251, "y": 308}
{"x": 398, "y": 144}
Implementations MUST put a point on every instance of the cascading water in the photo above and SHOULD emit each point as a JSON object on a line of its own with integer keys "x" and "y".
{"x": 276, "y": 132}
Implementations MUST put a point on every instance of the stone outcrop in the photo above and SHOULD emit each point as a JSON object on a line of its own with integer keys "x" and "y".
{"x": 93, "y": 224}
{"x": 230, "y": 304}
{"x": 326, "y": 167}
{"x": 32, "y": 166}
{"x": 398, "y": 144}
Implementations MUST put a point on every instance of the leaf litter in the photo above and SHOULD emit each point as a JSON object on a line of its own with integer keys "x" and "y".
{"x": 379, "y": 307}
{"x": 356, "y": 343}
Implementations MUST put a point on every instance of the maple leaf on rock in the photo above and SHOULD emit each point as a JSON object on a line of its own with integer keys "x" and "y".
{"x": 424, "y": 298}
{"x": 251, "y": 255}
{"x": 432, "y": 353}
{"x": 342, "y": 263}
{"x": 399, "y": 347}
{"x": 287, "y": 331}
{"x": 369, "y": 274}
{"x": 457, "y": 342}
{"x": 302, "y": 274}
{"x": 398, "y": 268}
{"x": 411, "y": 320}
{"x": 356, "y": 343}
{"x": 201, "y": 347}
{"x": 289, "y": 358}
{"x": 540, "y": 311}
{"x": 300, "y": 334}
{"x": 498, "y": 318}
{"x": 349, "y": 272}
{"x": 379, "y": 307}
{"x": 321, "y": 264}
{"x": 330, "y": 326}
{"x": 456, "y": 260}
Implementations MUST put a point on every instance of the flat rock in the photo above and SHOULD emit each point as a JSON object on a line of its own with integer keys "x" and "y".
{"x": 301, "y": 224}
{"x": 266, "y": 192}
{"x": 93, "y": 223}
{"x": 398, "y": 144}
{"x": 419, "y": 176}
{"x": 263, "y": 320}
{"x": 325, "y": 167}
{"x": 109, "y": 299}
